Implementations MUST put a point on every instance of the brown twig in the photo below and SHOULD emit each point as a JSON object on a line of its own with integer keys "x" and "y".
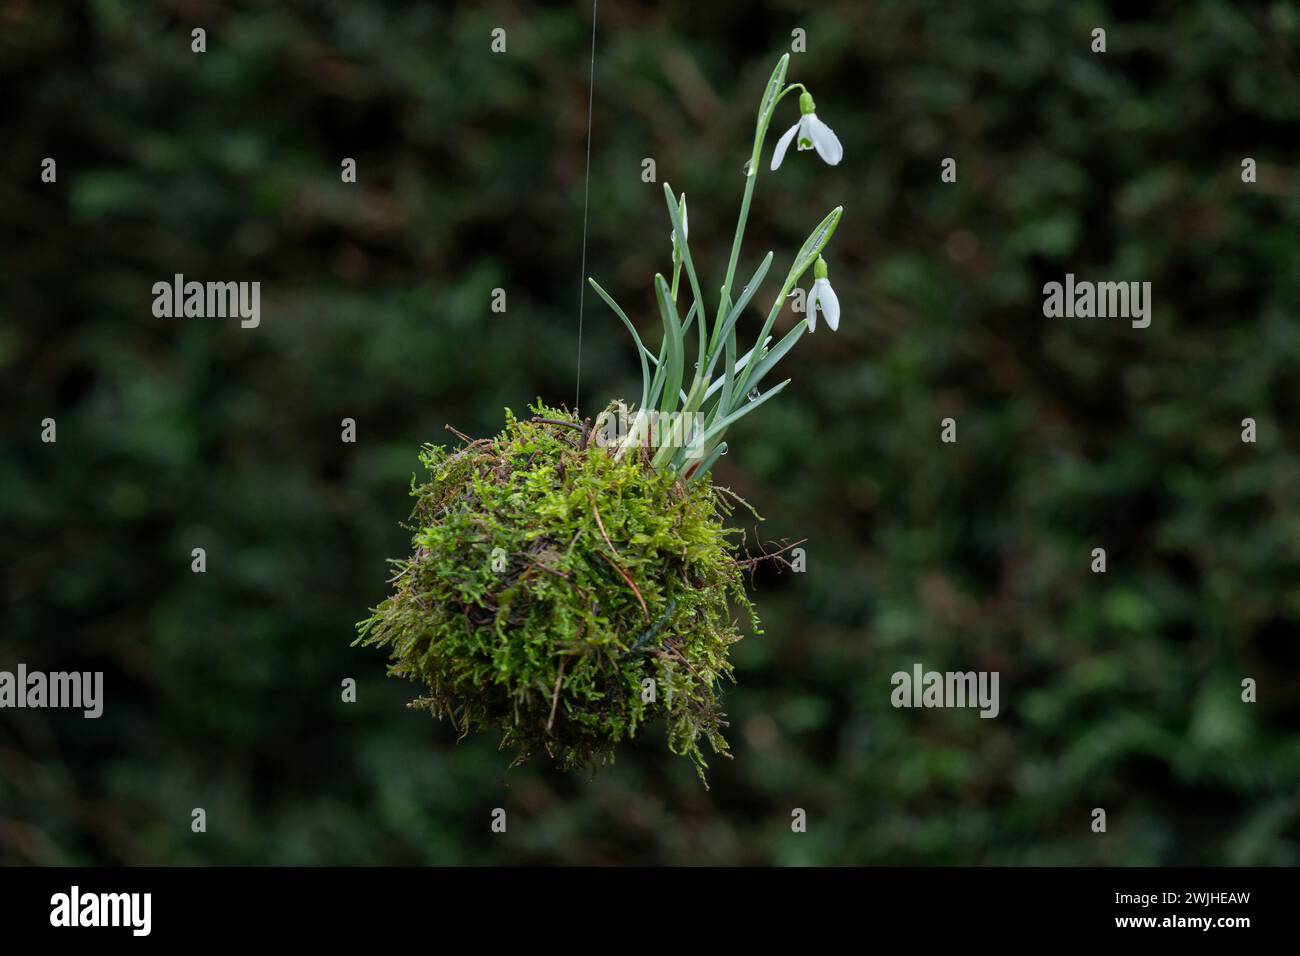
{"x": 624, "y": 575}
{"x": 600, "y": 524}
{"x": 545, "y": 567}
{"x": 555, "y": 696}
{"x": 751, "y": 561}
{"x": 459, "y": 434}
{"x": 559, "y": 574}
{"x": 555, "y": 421}
{"x": 681, "y": 657}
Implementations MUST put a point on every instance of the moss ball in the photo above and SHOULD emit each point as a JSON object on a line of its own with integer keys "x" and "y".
{"x": 565, "y": 596}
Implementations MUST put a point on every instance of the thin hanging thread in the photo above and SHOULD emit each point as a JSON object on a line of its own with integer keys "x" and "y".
{"x": 586, "y": 193}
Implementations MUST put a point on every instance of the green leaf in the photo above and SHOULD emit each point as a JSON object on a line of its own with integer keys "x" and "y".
{"x": 751, "y": 287}
{"x": 641, "y": 352}
{"x": 673, "y": 364}
{"x": 768, "y": 360}
{"x": 657, "y": 383}
{"x": 715, "y": 430}
{"x": 674, "y": 213}
{"x": 709, "y": 461}
{"x": 736, "y": 365}
{"x": 686, "y": 324}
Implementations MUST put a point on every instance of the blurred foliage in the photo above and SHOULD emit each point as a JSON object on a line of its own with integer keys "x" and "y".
{"x": 223, "y": 690}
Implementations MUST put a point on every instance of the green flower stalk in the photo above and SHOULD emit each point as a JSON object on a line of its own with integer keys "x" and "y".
{"x": 721, "y": 397}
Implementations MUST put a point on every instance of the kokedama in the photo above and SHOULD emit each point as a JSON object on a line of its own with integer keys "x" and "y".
{"x": 571, "y": 582}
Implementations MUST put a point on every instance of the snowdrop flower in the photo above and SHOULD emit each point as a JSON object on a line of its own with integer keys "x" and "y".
{"x": 822, "y": 297}
{"x": 812, "y": 133}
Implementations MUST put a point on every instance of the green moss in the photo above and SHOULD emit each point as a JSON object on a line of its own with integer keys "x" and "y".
{"x": 550, "y": 583}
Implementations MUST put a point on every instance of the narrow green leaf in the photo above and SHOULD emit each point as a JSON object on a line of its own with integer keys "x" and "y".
{"x": 729, "y": 323}
{"x": 717, "y": 429}
{"x": 674, "y": 213}
{"x": 686, "y": 324}
{"x": 641, "y": 351}
{"x": 709, "y": 462}
{"x": 729, "y": 375}
{"x": 673, "y": 365}
{"x": 767, "y": 360}
{"x": 736, "y": 365}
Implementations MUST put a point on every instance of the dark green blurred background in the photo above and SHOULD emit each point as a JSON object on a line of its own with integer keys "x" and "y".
{"x": 223, "y": 690}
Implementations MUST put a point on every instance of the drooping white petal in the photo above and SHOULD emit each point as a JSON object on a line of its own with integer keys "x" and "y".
{"x": 828, "y": 302}
{"x": 783, "y": 144}
{"x": 810, "y": 307}
{"x": 824, "y": 139}
{"x": 805, "y": 130}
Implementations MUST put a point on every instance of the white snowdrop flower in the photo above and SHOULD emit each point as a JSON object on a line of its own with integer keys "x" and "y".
{"x": 812, "y": 133}
{"x": 822, "y": 297}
